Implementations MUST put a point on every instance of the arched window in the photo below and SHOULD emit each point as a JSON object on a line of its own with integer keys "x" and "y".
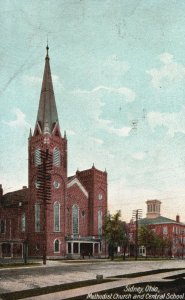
{"x": 56, "y": 246}
{"x": 75, "y": 219}
{"x": 99, "y": 222}
{"x": 37, "y": 217}
{"x": 2, "y": 226}
{"x": 56, "y": 209}
{"x": 56, "y": 157}
{"x": 37, "y": 157}
{"x": 23, "y": 222}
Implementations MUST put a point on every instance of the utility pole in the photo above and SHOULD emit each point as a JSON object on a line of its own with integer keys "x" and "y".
{"x": 44, "y": 192}
{"x": 137, "y": 214}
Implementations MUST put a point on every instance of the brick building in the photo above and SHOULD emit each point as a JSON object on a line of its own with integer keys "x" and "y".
{"x": 171, "y": 230}
{"x": 69, "y": 222}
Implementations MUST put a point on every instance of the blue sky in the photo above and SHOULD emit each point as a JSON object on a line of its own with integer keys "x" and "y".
{"x": 119, "y": 78}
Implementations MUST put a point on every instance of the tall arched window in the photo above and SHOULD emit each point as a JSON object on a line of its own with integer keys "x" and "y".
{"x": 99, "y": 222}
{"x": 56, "y": 246}
{"x": 56, "y": 157}
{"x": 56, "y": 209}
{"x": 37, "y": 217}
{"x": 2, "y": 226}
{"x": 37, "y": 157}
{"x": 75, "y": 219}
{"x": 23, "y": 222}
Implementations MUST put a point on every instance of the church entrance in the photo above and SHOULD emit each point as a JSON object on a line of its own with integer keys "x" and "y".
{"x": 81, "y": 248}
{"x": 86, "y": 249}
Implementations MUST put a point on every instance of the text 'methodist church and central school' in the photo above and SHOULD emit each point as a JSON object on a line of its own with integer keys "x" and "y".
{"x": 77, "y": 205}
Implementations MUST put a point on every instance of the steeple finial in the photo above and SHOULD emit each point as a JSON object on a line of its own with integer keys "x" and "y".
{"x": 47, "y": 50}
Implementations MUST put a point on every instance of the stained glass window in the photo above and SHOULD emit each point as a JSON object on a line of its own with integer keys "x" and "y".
{"x": 57, "y": 246}
{"x": 23, "y": 222}
{"x": 37, "y": 217}
{"x": 56, "y": 216}
{"x": 75, "y": 219}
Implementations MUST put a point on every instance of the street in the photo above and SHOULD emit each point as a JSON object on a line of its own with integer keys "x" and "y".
{"x": 59, "y": 272}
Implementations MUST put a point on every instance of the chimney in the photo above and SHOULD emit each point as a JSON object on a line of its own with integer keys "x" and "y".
{"x": 177, "y": 218}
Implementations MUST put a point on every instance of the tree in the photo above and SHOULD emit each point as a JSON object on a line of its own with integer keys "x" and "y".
{"x": 147, "y": 238}
{"x": 114, "y": 232}
{"x": 164, "y": 245}
{"x": 154, "y": 244}
{"x": 125, "y": 239}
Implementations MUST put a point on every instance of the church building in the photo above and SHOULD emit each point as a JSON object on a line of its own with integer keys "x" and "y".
{"x": 56, "y": 216}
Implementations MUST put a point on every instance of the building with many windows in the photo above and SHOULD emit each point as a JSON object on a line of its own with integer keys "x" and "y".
{"x": 56, "y": 215}
{"x": 167, "y": 229}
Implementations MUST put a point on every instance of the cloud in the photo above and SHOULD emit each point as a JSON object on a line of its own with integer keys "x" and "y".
{"x": 116, "y": 65}
{"x": 33, "y": 80}
{"x": 123, "y": 91}
{"x": 138, "y": 155}
{"x": 20, "y": 120}
{"x": 170, "y": 71}
{"x": 70, "y": 132}
{"x": 123, "y": 131}
{"x": 109, "y": 127}
{"x": 92, "y": 104}
{"x": 96, "y": 141}
{"x": 174, "y": 122}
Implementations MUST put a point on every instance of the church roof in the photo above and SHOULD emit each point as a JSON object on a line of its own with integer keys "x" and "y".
{"x": 158, "y": 220}
{"x": 72, "y": 180}
{"x": 47, "y": 116}
{"x": 15, "y": 198}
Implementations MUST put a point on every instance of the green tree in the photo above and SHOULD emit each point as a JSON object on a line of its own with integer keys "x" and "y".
{"x": 164, "y": 245}
{"x": 147, "y": 238}
{"x": 154, "y": 244}
{"x": 125, "y": 239}
{"x": 114, "y": 232}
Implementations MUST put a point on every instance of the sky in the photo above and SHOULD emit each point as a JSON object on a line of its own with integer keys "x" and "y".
{"x": 118, "y": 69}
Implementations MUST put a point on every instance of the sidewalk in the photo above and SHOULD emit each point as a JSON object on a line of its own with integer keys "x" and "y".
{"x": 103, "y": 287}
{"x": 64, "y": 272}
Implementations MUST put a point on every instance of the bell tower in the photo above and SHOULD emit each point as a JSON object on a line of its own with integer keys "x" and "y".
{"x": 46, "y": 224}
{"x": 153, "y": 209}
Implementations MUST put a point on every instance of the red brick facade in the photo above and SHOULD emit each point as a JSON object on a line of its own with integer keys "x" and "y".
{"x": 167, "y": 229}
{"x": 70, "y": 222}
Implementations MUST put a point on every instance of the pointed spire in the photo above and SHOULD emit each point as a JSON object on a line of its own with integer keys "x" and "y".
{"x": 47, "y": 112}
{"x": 47, "y": 50}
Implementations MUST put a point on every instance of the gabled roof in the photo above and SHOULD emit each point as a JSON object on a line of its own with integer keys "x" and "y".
{"x": 158, "y": 220}
{"x": 73, "y": 180}
{"x": 47, "y": 116}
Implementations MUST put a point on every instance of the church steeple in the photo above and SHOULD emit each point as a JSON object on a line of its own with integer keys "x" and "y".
{"x": 47, "y": 111}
